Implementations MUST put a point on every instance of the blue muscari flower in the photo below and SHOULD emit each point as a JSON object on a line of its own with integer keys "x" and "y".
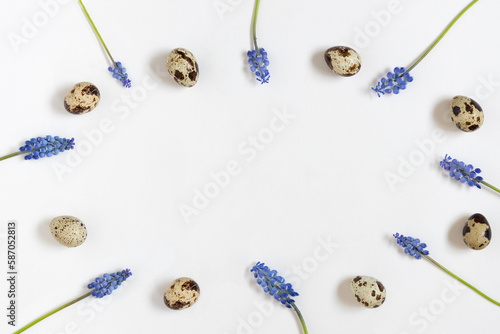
{"x": 258, "y": 64}
{"x": 412, "y": 246}
{"x": 394, "y": 82}
{"x": 119, "y": 72}
{"x": 462, "y": 172}
{"x": 415, "y": 248}
{"x": 38, "y": 148}
{"x": 105, "y": 285}
{"x": 101, "y": 287}
{"x": 257, "y": 58}
{"x": 273, "y": 284}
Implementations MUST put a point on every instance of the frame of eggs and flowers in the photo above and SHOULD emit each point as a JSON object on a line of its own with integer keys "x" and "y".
{"x": 334, "y": 62}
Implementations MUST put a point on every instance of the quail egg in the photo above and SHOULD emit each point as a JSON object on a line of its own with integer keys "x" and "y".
{"x": 182, "y": 293}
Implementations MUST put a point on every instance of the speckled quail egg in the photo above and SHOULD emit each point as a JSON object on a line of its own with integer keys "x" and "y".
{"x": 69, "y": 231}
{"x": 82, "y": 98}
{"x": 477, "y": 232}
{"x": 181, "y": 294}
{"x": 343, "y": 60}
{"x": 466, "y": 113}
{"x": 182, "y": 67}
{"x": 368, "y": 291}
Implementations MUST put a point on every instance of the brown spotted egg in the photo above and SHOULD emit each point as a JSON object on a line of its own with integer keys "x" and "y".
{"x": 368, "y": 291}
{"x": 182, "y": 67}
{"x": 343, "y": 60}
{"x": 477, "y": 232}
{"x": 466, "y": 113}
{"x": 69, "y": 231}
{"x": 182, "y": 293}
{"x": 82, "y": 98}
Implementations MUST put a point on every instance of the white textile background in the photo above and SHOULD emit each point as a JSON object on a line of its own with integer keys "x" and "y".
{"x": 311, "y": 173}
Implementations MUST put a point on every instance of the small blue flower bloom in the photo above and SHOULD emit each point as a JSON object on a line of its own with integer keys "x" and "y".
{"x": 412, "y": 246}
{"x": 394, "y": 83}
{"x": 258, "y": 64}
{"x": 46, "y": 147}
{"x": 119, "y": 72}
{"x": 462, "y": 172}
{"x": 107, "y": 283}
{"x": 273, "y": 284}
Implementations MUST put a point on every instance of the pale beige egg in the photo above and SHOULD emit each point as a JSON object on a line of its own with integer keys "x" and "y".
{"x": 69, "y": 231}
{"x": 343, "y": 60}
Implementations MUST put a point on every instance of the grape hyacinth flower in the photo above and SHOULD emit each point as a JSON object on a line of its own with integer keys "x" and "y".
{"x": 464, "y": 173}
{"x": 257, "y": 58}
{"x": 397, "y": 81}
{"x": 105, "y": 285}
{"x": 414, "y": 248}
{"x": 394, "y": 83}
{"x": 276, "y": 287}
{"x": 101, "y": 287}
{"x": 117, "y": 70}
{"x": 37, "y": 148}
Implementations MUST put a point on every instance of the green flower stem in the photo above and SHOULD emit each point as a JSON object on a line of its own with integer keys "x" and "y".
{"x": 441, "y": 36}
{"x": 52, "y": 312}
{"x": 11, "y": 155}
{"x": 97, "y": 32}
{"x": 460, "y": 280}
{"x": 490, "y": 186}
{"x": 255, "y": 13}
{"x": 299, "y": 315}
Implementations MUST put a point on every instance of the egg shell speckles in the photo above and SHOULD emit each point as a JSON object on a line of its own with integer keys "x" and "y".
{"x": 477, "y": 232}
{"x": 182, "y": 67}
{"x": 343, "y": 60}
{"x": 82, "y": 98}
{"x": 466, "y": 113}
{"x": 182, "y": 293}
{"x": 69, "y": 231}
{"x": 368, "y": 291}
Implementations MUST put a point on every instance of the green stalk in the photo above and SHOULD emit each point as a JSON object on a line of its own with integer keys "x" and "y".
{"x": 441, "y": 36}
{"x": 490, "y": 186}
{"x": 12, "y": 155}
{"x": 460, "y": 280}
{"x": 255, "y": 13}
{"x": 97, "y": 32}
{"x": 300, "y": 317}
{"x": 52, "y": 312}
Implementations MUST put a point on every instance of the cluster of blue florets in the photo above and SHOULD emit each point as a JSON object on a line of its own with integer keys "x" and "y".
{"x": 258, "y": 64}
{"x": 412, "y": 246}
{"x": 273, "y": 284}
{"x": 46, "y": 147}
{"x": 394, "y": 82}
{"x": 119, "y": 72}
{"x": 462, "y": 172}
{"x": 105, "y": 285}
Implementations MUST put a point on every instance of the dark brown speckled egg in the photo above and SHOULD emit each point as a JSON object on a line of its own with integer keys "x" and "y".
{"x": 466, "y": 113}
{"x": 368, "y": 291}
{"x": 82, "y": 98}
{"x": 477, "y": 232}
{"x": 182, "y": 293}
{"x": 182, "y": 67}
